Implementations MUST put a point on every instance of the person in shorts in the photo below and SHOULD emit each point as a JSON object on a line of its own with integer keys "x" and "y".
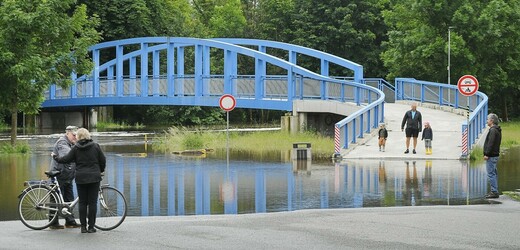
{"x": 413, "y": 121}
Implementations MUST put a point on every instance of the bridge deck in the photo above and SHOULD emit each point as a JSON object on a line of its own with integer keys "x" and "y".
{"x": 446, "y": 142}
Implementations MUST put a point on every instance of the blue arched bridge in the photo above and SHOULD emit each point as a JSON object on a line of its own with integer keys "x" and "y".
{"x": 260, "y": 74}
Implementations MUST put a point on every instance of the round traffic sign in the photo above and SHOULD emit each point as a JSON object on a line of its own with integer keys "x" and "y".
{"x": 227, "y": 102}
{"x": 467, "y": 85}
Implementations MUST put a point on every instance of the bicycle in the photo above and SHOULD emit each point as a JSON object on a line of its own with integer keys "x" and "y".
{"x": 42, "y": 201}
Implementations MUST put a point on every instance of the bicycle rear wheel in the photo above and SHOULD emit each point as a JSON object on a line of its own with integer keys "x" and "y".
{"x": 111, "y": 210}
{"x": 34, "y": 207}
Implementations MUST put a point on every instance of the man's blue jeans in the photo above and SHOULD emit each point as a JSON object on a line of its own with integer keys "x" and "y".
{"x": 491, "y": 167}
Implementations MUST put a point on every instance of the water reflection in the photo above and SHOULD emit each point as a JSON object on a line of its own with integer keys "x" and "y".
{"x": 169, "y": 185}
{"x": 158, "y": 184}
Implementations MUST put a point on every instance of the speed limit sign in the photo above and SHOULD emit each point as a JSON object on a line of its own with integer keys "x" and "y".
{"x": 227, "y": 102}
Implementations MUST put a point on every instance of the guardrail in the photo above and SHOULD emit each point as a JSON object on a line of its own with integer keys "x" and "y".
{"x": 448, "y": 95}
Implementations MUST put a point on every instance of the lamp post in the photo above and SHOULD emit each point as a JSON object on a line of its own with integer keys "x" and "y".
{"x": 449, "y": 64}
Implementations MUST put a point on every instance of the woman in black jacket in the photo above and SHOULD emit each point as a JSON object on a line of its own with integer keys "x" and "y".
{"x": 90, "y": 163}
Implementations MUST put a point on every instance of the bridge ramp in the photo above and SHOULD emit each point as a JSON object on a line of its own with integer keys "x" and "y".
{"x": 446, "y": 142}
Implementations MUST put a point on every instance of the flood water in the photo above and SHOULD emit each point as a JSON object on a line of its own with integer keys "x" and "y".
{"x": 157, "y": 184}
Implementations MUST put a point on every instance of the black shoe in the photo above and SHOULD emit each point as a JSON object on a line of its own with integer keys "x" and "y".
{"x": 83, "y": 229}
{"x": 414, "y": 151}
{"x": 56, "y": 226}
{"x": 91, "y": 230}
{"x": 492, "y": 195}
{"x": 407, "y": 151}
{"x": 72, "y": 224}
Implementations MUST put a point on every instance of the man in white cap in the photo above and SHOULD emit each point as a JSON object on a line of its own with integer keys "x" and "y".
{"x": 68, "y": 170}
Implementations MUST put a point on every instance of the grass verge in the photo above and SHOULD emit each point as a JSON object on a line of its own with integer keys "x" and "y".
{"x": 510, "y": 134}
{"x": 510, "y": 138}
{"x": 177, "y": 139}
{"x": 514, "y": 195}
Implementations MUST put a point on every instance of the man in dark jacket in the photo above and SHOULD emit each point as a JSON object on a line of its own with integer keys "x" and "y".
{"x": 491, "y": 153}
{"x": 61, "y": 148}
{"x": 413, "y": 120}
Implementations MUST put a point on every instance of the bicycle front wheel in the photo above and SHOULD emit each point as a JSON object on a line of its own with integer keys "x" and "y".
{"x": 35, "y": 207}
{"x": 111, "y": 210}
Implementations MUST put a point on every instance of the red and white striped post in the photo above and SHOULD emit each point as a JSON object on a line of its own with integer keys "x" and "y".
{"x": 465, "y": 141}
{"x": 336, "y": 140}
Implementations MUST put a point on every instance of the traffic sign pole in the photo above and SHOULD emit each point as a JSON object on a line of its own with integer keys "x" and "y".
{"x": 227, "y": 137}
{"x": 467, "y": 86}
{"x": 227, "y": 103}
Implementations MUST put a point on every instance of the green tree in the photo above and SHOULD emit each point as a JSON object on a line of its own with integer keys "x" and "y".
{"x": 227, "y": 20}
{"x": 495, "y": 45}
{"x": 41, "y": 43}
{"x": 185, "y": 115}
{"x": 483, "y": 43}
{"x": 350, "y": 29}
{"x": 275, "y": 21}
{"x": 122, "y": 19}
{"x": 417, "y": 40}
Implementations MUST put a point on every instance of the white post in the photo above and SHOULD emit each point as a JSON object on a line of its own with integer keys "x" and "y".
{"x": 449, "y": 63}
{"x": 227, "y": 139}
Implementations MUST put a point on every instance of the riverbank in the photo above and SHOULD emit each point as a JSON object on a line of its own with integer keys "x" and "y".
{"x": 510, "y": 134}
{"x": 492, "y": 226}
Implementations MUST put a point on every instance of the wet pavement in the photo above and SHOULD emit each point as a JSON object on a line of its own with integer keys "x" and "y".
{"x": 492, "y": 226}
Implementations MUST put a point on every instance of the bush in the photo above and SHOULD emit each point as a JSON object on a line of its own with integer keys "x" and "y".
{"x": 193, "y": 141}
{"x": 19, "y": 148}
{"x": 476, "y": 154}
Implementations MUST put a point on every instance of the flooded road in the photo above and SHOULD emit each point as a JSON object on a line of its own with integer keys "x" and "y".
{"x": 157, "y": 184}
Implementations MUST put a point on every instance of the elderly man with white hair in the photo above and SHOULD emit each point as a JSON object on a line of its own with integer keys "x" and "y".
{"x": 491, "y": 154}
{"x": 67, "y": 173}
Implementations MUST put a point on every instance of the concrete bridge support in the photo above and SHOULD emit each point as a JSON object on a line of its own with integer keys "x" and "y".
{"x": 59, "y": 119}
{"x": 303, "y": 121}
{"x": 105, "y": 114}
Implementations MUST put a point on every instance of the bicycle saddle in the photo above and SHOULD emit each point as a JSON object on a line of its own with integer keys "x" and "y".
{"x": 52, "y": 173}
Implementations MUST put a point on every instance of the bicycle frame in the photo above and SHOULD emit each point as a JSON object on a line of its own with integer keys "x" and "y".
{"x": 42, "y": 201}
{"x": 62, "y": 207}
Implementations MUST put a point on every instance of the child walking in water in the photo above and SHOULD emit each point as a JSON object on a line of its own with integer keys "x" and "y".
{"x": 382, "y": 135}
{"x": 427, "y": 136}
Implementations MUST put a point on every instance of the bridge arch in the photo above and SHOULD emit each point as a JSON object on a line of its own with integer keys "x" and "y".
{"x": 152, "y": 71}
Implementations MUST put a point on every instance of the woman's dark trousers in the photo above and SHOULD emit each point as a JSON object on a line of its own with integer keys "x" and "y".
{"x": 88, "y": 197}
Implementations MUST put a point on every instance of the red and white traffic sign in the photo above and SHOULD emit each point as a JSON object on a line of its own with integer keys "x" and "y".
{"x": 227, "y": 102}
{"x": 467, "y": 85}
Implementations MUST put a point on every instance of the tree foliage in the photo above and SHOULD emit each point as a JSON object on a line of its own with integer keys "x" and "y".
{"x": 390, "y": 38}
{"x": 349, "y": 29}
{"x": 41, "y": 43}
{"x": 483, "y": 43}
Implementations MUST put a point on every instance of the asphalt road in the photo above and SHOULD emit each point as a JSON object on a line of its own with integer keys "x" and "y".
{"x": 493, "y": 226}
